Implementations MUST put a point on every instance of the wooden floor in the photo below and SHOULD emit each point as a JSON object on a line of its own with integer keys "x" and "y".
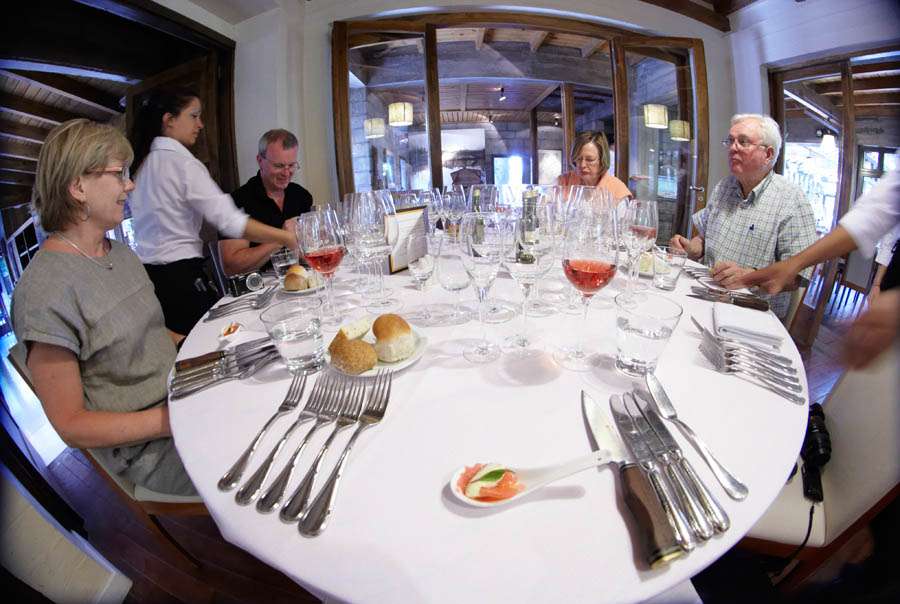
{"x": 227, "y": 574}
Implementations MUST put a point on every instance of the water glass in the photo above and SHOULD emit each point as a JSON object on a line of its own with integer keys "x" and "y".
{"x": 667, "y": 265}
{"x": 282, "y": 260}
{"x": 296, "y": 328}
{"x": 644, "y": 324}
{"x": 423, "y": 250}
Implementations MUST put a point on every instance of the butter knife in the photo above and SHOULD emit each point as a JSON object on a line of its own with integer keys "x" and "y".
{"x": 685, "y": 497}
{"x": 215, "y": 355}
{"x": 712, "y": 509}
{"x": 755, "y": 304}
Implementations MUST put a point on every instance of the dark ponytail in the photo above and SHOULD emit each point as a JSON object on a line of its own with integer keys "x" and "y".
{"x": 148, "y": 121}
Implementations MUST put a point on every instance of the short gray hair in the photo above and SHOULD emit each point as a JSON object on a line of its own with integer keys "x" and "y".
{"x": 285, "y": 137}
{"x": 771, "y": 132}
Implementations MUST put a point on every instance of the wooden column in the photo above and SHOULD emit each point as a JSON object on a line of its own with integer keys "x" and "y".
{"x": 534, "y": 146}
{"x": 620, "y": 100}
{"x": 567, "y": 92}
{"x": 776, "y": 110}
{"x": 340, "y": 108}
{"x": 433, "y": 106}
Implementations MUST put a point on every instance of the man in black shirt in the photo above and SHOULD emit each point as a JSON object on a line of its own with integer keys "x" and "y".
{"x": 269, "y": 197}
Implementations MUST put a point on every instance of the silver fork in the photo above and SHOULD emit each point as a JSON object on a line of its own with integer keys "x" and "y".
{"x": 240, "y": 306}
{"x": 788, "y": 382}
{"x": 290, "y": 402}
{"x": 719, "y": 365}
{"x": 247, "y": 493}
{"x": 750, "y": 348}
{"x": 246, "y": 300}
{"x": 326, "y": 412}
{"x": 315, "y": 518}
{"x": 349, "y": 415}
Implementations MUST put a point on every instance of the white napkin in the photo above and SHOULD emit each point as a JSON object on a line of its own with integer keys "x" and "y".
{"x": 747, "y": 324}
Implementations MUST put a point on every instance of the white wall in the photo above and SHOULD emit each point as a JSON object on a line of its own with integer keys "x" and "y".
{"x": 777, "y": 32}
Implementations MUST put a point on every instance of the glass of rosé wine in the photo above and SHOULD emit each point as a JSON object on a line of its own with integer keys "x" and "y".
{"x": 590, "y": 258}
{"x": 320, "y": 237}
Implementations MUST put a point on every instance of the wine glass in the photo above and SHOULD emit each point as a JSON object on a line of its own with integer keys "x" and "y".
{"x": 480, "y": 245}
{"x": 639, "y": 235}
{"x": 527, "y": 255}
{"x": 320, "y": 237}
{"x": 423, "y": 250}
{"x": 373, "y": 223}
{"x": 455, "y": 205}
{"x": 564, "y": 200}
{"x": 453, "y": 277}
{"x": 432, "y": 205}
{"x": 589, "y": 263}
{"x": 504, "y": 203}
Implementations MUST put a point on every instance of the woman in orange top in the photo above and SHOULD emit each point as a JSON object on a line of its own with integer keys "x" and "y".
{"x": 590, "y": 156}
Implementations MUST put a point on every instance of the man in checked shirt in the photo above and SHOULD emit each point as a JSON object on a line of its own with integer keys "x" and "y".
{"x": 754, "y": 217}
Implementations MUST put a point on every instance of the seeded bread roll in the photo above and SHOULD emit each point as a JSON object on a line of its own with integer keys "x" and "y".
{"x": 353, "y": 356}
{"x": 394, "y": 340}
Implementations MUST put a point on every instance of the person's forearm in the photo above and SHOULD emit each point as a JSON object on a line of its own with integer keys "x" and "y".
{"x": 879, "y": 275}
{"x": 93, "y": 429}
{"x": 833, "y": 245}
{"x": 248, "y": 258}
{"x": 262, "y": 233}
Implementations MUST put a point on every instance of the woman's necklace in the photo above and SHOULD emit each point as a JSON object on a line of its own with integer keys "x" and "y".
{"x": 107, "y": 264}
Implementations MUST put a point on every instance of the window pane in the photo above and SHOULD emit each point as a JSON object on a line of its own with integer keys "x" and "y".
{"x": 387, "y": 115}
{"x": 870, "y": 160}
{"x": 890, "y": 162}
{"x": 816, "y": 174}
{"x": 868, "y": 183}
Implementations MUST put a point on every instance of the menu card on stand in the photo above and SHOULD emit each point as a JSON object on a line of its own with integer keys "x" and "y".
{"x": 409, "y": 220}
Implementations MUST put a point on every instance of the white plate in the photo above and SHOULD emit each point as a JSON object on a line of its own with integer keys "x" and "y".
{"x": 421, "y": 344}
{"x": 301, "y": 292}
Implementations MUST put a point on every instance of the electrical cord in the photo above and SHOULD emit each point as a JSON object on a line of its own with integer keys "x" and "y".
{"x": 812, "y": 509}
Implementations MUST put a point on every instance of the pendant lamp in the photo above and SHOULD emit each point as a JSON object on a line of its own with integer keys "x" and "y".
{"x": 374, "y": 127}
{"x": 400, "y": 114}
{"x": 680, "y": 130}
{"x": 656, "y": 116}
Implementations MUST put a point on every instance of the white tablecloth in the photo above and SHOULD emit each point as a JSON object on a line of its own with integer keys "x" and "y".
{"x": 397, "y": 535}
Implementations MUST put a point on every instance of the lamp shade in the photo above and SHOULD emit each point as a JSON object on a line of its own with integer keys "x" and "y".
{"x": 374, "y": 127}
{"x": 828, "y": 144}
{"x": 656, "y": 116}
{"x": 400, "y": 114}
{"x": 680, "y": 130}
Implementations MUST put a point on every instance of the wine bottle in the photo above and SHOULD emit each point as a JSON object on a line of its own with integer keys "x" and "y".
{"x": 527, "y": 226}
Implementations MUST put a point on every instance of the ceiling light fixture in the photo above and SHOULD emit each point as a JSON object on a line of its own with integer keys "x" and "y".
{"x": 556, "y": 121}
{"x": 502, "y": 94}
{"x": 374, "y": 127}
{"x": 400, "y": 114}
{"x": 490, "y": 118}
{"x": 656, "y": 116}
{"x": 828, "y": 145}
{"x": 680, "y": 130}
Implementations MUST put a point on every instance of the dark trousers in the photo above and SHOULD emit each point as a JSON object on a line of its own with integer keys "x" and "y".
{"x": 183, "y": 291}
{"x": 891, "y": 277}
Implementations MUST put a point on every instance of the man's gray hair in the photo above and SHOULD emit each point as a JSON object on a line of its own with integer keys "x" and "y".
{"x": 287, "y": 139}
{"x": 771, "y": 132}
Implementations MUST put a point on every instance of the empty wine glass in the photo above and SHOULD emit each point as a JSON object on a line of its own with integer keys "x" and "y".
{"x": 639, "y": 236}
{"x": 527, "y": 255}
{"x": 423, "y": 250}
{"x": 455, "y": 205}
{"x": 319, "y": 234}
{"x": 453, "y": 277}
{"x": 432, "y": 205}
{"x": 480, "y": 244}
{"x": 589, "y": 262}
{"x": 373, "y": 223}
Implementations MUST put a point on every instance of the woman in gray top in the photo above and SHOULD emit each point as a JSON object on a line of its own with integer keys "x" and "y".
{"x": 98, "y": 350}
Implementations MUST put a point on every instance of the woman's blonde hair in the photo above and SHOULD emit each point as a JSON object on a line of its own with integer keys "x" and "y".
{"x": 70, "y": 150}
{"x": 598, "y": 138}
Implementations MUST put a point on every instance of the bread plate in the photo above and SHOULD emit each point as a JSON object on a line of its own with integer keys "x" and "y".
{"x": 421, "y": 344}
{"x": 301, "y": 292}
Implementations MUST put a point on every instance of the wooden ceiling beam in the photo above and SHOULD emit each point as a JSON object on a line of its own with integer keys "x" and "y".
{"x": 876, "y": 83}
{"x": 13, "y": 196}
{"x": 537, "y": 38}
{"x": 594, "y": 46}
{"x": 17, "y": 149}
{"x": 479, "y": 38}
{"x": 805, "y": 94}
{"x": 11, "y": 177}
{"x": 540, "y": 96}
{"x": 875, "y": 67}
{"x": 463, "y": 96}
{"x": 33, "y": 109}
{"x": 33, "y": 134}
{"x": 69, "y": 88}
{"x": 694, "y": 11}
{"x": 874, "y": 98}
{"x": 18, "y": 164}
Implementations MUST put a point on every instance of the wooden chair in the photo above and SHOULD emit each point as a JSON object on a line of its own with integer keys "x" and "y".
{"x": 216, "y": 258}
{"x": 144, "y": 503}
{"x": 862, "y": 415}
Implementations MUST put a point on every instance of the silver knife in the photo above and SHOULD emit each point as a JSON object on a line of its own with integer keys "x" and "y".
{"x": 220, "y": 354}
{"x": 214, "y": 371}
{"x": 733, "y": 486}
{"x": 711, "y": 507}
{"x": 229, "y": 362}
{"x": 630, "y": 435}
{"x": 658, "y": 540}
{"x": 685, "y": 497}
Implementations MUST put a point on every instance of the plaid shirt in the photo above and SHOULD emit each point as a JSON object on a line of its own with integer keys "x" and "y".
{"x": 775, "y": 222}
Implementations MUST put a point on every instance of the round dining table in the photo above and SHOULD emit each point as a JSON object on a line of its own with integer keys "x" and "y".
{"x": 398, "y": 534}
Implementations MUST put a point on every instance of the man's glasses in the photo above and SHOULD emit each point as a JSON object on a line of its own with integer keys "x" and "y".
{"x": 742, "y": 143}
{"x": 282, "y": 167}
{"x": 124, "y": 172}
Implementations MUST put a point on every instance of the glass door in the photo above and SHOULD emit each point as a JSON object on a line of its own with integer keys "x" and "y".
{"x": 662, "y": 130}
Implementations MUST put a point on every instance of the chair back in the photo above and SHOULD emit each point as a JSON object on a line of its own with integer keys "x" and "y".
{"x": 18, "y": 355}
{"x": 216, "y": 257}
{"x": 863, "y": 419}
{"x": 796, "y": 299}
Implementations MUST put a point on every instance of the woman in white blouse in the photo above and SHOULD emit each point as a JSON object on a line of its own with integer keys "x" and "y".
{"x": 174, "y": 193}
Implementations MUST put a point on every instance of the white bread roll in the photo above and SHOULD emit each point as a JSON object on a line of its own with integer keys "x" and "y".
{"x": 294, "y": 282}
{"x": 394, "y": 340}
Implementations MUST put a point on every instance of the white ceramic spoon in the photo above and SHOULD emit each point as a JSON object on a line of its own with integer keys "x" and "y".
{"x": 534, "y": 478}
